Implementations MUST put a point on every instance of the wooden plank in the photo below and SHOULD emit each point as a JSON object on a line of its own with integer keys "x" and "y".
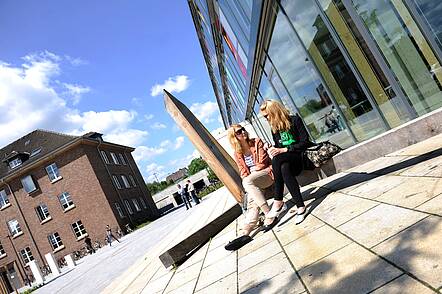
{"x": 212, "y": 152}
{"x": 180, "y": 251}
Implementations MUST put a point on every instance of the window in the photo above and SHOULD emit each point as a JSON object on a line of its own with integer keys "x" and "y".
{"x": 42, "y": 212}
{"x": 2, "y": 250}
{"x": 105, "y": 158}
{"x": 132, "y": 180}
{"x": 14, "y": 227}
{"x": 79, "y": 229}
{"x": 129, "y": 209}
{"x": 114, "y": 158}
{"x": 65, "y": 200}
{"x": 123, "y": 161}
{"x": 136, "y": 205}
{"x": 120, "y": 211}
{"x": 4, "y": 200}
{"x": 116, "y": 182}
{"x": 26, "y": 254}
{"x": 53, "y": 172}
{"x": 125, "y": 181}
{"x": 55, "y": 241}
{"x": 15, "y": 162}
{"x": 28, "y": 184}
{"x": 143, "y": 203}
{"x": 35, "y": 152}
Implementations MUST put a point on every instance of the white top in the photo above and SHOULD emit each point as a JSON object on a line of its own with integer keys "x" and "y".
{"x": 249, "y": 162}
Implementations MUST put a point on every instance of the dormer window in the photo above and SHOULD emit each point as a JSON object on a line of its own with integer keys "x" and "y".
{"x": 15, "y": 162}
{"x": 35, "y": 152}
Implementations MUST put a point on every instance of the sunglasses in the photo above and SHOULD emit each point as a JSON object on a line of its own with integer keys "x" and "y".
{"x": 239, "y": 131}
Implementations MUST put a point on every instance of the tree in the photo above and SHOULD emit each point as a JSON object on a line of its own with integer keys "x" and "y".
{"x": 196, "y": 165}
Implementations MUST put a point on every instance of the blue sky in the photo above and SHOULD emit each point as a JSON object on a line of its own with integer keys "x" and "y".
{"x": 79, "y": 66}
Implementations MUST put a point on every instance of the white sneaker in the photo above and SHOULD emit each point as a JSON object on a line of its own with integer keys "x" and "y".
{"x": 275, "y": 213}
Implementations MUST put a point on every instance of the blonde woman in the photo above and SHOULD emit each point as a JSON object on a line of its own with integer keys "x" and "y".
{"x": 291, "y": 139}
{"x": 255, "y": 170}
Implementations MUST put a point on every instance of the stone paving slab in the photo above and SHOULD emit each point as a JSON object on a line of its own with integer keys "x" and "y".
{"x": 375, "y": 228}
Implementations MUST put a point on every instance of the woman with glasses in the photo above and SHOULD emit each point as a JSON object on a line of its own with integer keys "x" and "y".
{"x": 255, "y": 170}
{"x": 291, "y": 139}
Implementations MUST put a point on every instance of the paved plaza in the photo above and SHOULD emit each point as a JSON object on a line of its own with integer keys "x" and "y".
{"x": 376, "y": 228}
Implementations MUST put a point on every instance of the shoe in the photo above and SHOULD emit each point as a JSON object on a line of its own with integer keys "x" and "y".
{"x": 275, "y": 213}
{"x": 299, "y": 217}
{"x": 270, "y": 226}
{"x": 238, "y": 243}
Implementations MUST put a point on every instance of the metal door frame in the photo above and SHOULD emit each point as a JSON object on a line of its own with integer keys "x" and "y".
{"x": 379, "y": 57}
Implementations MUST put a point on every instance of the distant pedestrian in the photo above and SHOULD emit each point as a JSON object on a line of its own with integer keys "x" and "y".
{"x": 182, "y": 191}
{"x": 110, "y": 235}
{"x": 192, "y": 193}
{"x": 89, "y": 246}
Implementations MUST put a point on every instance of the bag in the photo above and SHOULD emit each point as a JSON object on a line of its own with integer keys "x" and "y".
{"x": 321, "y": 152}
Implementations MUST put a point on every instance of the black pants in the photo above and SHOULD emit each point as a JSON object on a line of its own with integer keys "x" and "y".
{"x": 286, "y": 166}
{"x": 186, "y": 201}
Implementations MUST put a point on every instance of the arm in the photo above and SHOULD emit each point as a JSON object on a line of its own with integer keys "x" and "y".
{"x": 243, "y": 169}
{"x": 300, "y": 133}
{"x": 261, "y": 155}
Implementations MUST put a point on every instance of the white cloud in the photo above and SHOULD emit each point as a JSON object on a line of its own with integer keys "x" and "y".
{"x": 76, "y": 91}
{"x": 143, "y": 153}
{"x": 75, "y": 61}
{"x": 158, "y": 126}
{"x": 30, "y": 90}
{"x": 136, "y": 101}
{"x": 176, "y": 84}
{"x": 155, "y": 172}
{"x": 165, "y": 143}
{"x": 205, "y": 111}
{"x": 148, "y": 116}
{"x": 127, "y": 137}
{"x": 178, "y": 143}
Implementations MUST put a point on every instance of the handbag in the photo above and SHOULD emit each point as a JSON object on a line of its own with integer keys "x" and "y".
{"x": 321, "y": 152}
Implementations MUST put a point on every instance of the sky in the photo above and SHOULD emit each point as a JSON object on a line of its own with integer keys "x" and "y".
{"x": 80, "y": 66}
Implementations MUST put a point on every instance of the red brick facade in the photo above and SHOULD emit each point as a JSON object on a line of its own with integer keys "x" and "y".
{"x": 83, "y": 174}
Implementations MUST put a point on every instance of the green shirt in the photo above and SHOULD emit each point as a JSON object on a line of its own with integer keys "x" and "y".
{"x": 286, "y": 138}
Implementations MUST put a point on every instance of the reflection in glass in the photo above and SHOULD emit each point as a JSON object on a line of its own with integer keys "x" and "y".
{"x": 363, "y": 119}
{"x": 431, "y": 12}
{"x": 396, "y": 111}
{"x": 406, "y": 51}
{"x": 299, "y": 79}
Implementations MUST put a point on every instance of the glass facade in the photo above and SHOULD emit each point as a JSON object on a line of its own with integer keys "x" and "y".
{"x": 352, "y": 69}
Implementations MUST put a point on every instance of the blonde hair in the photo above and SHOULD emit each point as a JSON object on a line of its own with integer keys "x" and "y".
{"x": 278, "y": 116}
{"x": 234, "y": 140}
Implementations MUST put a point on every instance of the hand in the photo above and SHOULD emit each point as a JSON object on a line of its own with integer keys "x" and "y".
{"x": 267, "y": 146}
{"x": 273, "y": 151}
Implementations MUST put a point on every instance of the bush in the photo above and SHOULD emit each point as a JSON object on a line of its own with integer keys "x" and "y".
{"x": 209, "y": 189}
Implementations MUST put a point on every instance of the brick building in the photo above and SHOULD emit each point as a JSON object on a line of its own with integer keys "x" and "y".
{"x": 56, "y": 189}
{"x": 178, "y": 175}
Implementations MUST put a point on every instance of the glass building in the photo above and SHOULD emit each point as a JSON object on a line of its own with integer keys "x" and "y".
{"x": 352, "y": 69}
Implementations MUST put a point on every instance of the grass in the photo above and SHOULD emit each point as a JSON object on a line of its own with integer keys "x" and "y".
{"x": 209, "y": 189}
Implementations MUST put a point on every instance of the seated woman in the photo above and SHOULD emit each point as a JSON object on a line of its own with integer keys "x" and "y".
{"x": 255, "y": 170}
{"x": 291, "y": 139}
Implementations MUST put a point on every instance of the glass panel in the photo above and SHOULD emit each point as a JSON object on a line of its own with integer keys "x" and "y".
{"x": 395, "y": 110}
{"x": 362, "y": 118}
{"x": 304, "y": 85}
{"x": 405, "y": 50}
{"x": 431, "y": 11}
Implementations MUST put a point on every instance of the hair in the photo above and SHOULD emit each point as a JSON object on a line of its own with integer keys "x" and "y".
{"x": 278, "y": 116}
{"x": 234, "y": 142}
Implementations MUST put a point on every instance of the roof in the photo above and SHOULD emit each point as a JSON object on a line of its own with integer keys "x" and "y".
{"x": 45, "y": 141}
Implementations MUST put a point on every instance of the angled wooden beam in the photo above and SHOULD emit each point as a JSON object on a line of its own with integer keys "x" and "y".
{"x": 212, "y": 152}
